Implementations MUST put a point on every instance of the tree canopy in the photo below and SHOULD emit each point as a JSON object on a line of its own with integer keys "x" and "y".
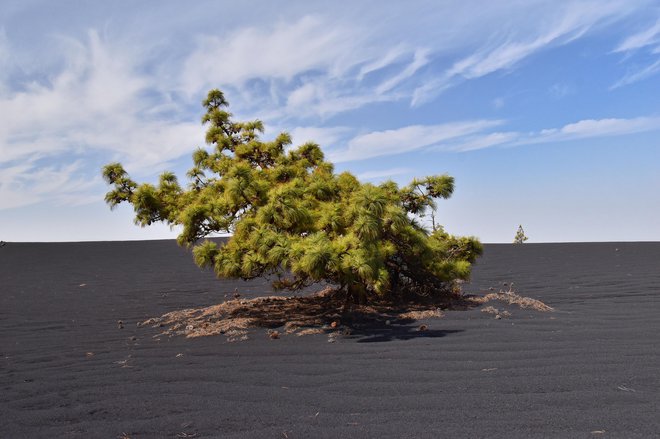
{"x": 291, "y": 216}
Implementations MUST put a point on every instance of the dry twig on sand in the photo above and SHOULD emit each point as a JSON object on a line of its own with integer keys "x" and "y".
{"x": 496, "y": 312}
{"x": 512, "y": 298}
{"x": 424, "y": 314}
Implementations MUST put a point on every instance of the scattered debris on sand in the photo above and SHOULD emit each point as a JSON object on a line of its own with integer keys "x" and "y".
{"x": 320, "y": 313}
{"x": 317, "y": 313}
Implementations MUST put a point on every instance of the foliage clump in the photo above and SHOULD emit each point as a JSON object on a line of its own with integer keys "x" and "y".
{"x": 290, "y": 215}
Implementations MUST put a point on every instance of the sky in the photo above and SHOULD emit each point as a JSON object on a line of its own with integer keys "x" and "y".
{"x": 546, "y": 113}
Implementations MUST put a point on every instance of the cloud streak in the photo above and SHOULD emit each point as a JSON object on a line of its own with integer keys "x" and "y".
{"x": 596, "y": 128}
{"x": 406, "y": 139}
{"x": 647, "y": 37}
{"x": 638, "y": 75}
{"x": 565, "y": 24}
{"x": 475, "y": 135}
{"x": 280, "y": 54}
{"x": 583, "y": 129}
{"x": 642, "y": 44}
{"x": 32, "y": 182}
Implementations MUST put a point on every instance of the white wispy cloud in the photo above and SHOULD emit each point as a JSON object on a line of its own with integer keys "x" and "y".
{"x": 595, "y": 128}
{"x": 391, "y": 56}
{"x": 582, "y": 129}
{"x": 481, "y": 141}
{"x": 647, "y": 37}
{"x": 11, "y": 194}
{"x": 463, "y": 136}
{"x": 98, "y": 104}
{"x": 420, "y": 59}
{"x": 648, "y": 40}
{"x": 31, "y": 182}
{"x": 638, "y": 75}
{"x": 323, "y": 98}
{"x": 281, "y": 53}
{"x": 475, "y": 135}
{"x": 312, "y": 67}
{"x": 406, "y": 139}
{"x": 566, "y": 23}
{"x": 98, "y": 101}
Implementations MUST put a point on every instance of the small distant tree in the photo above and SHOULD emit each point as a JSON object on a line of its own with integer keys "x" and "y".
{"x": 291, "y": 216}
{"x": 520, "y": 237}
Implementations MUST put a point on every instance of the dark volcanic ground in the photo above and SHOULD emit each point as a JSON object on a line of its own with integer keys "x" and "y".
{"x": 589, "y": 369}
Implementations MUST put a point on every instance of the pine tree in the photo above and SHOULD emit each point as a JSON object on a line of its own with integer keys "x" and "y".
{"x": 520, "y": 237}
{"x": 291, "y": 216}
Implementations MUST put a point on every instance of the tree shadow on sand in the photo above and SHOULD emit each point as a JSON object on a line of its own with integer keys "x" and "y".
{"x": 383, "y": 333}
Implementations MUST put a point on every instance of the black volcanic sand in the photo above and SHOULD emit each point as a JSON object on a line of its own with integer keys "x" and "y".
{"x": 589, "y": 369}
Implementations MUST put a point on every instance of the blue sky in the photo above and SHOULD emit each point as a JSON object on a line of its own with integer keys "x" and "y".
{"x": 547, "y": 113}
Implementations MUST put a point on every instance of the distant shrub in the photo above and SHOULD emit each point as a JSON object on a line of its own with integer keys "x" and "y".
{"x": 520, "y": 237}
